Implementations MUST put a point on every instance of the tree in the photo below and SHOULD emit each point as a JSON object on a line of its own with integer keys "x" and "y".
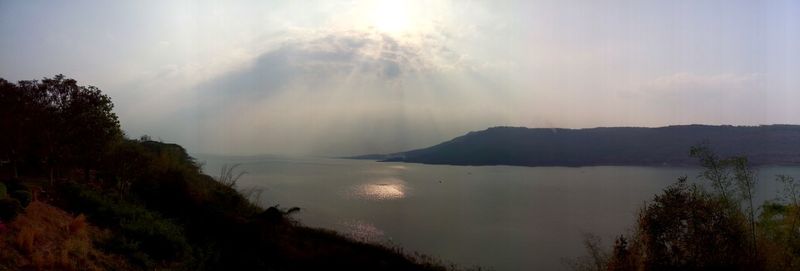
{"x": 679, "y": 226}
{"x": 12, "y": 114}
{"x": 91, "y": 125}
{"x": 57, "y": 122}
{"x": 687, "y": 227}
{"x": 735, "y": 182}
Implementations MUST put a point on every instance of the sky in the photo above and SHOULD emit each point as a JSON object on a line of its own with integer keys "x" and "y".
{"x": 333, "y": 78}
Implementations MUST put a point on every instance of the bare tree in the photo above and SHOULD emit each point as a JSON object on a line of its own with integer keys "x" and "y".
{"x": 746, "y": 181}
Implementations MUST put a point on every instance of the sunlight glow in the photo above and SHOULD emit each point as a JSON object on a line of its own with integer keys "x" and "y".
{"x": 385, "y": 189}
{"x": 392, "y": 16}
{"x": 382, "y": 191}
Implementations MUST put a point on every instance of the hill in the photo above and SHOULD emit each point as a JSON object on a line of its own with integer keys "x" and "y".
{"x": 77, "y": 194}
{"x": 766, "y": 144}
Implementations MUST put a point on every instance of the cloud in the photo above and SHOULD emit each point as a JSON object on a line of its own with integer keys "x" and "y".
{"x": 338, "y": 93}
{"x": 319, "y": 56}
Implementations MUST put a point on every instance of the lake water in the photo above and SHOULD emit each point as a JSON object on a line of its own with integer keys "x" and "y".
{"x": 497, "y": 217}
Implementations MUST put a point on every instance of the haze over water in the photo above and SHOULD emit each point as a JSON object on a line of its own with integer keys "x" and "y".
{"x": 501, "y": 217}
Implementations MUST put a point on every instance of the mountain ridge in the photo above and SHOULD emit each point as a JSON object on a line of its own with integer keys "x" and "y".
{"x": 660, "y": 146}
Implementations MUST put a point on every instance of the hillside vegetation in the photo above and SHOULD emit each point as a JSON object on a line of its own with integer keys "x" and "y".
{"x": 714, "y": 225}
{"x": 76, "y": 194}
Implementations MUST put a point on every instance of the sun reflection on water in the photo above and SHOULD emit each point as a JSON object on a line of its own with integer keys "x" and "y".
{"x": 388, "y": 189}
{"x": 398, "y": 167}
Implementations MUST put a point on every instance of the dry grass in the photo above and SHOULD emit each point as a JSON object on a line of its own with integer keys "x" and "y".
{"x": 47, "y": 238}
{"x": 78, "y": 225}
{"x": 25, "y": 239}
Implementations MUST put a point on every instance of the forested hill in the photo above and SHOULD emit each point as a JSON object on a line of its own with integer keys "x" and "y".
{"x": 76, "y": 194}
{"x": 767, "y": 144}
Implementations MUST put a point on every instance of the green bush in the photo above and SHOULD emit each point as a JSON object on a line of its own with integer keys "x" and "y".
{"x": 3, "y": 191}
{"x": 9, "y": 208}
{"x": 23, "y": 196}
{"x": 15, "y": 184}
{"x": 158, "y": 237}
{"x": 141, "y": 229}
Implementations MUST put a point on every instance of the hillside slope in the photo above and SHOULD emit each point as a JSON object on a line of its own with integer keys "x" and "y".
{"x": 768, "y": 144}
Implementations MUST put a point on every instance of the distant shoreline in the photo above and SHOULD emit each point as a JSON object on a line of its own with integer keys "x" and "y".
{"x": 765, "y": 145}
{"x": 687, "y": 165}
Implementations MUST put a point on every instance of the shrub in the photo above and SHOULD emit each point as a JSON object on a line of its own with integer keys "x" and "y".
{"x": 684, "y": 228}
{"x": 160, "y": 238}
{"x": 26, "y": 239}
{"x": 679, "y": 226}
{"x": 23, "y": 196}
{"x": 141, "y": 229}
{"x": 14, "y": 185}
{"x": 75, "y": 247}
{"x": 9, "y": 208}
{"x": 78, "y": 225}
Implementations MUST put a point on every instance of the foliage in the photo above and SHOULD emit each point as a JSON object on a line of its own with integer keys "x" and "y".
{"x": 9, "y": 208}
{"x": 55, "y": 121}
{"x": 160, "y": 238}
{"x": 17, "y": 190}
{"x": 688, "y": 228}
{"x": 734, "y": 182}
{"x": 778, "y": 225}
{"x": 596, "y": 258}
{"x": 158, "y": 209}
{"x": 623, "y": 257}
{"x": 23, "y": 196}
{"x": 679, "y": 226}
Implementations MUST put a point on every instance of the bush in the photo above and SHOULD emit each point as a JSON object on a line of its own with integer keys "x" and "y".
{"x": 140, "y": 228}
{"x": 9, "y": 208}
{"x": 679, "y": 226}
{"x": 159, "y": 237}
{"x": 687, "y": 228}
{"x": 683, "y": 228}
{"x": 15, "y": 184}
{"x": 23, "y": 196}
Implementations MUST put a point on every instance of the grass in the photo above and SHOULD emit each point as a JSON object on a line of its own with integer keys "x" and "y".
{"x": 47, "y": 238}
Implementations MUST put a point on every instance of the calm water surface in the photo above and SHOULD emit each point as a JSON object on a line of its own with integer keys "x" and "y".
{"x": 498, "y": 217}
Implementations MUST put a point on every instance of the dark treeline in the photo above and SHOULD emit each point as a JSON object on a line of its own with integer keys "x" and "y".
{"x": 152, "y": 207}
{"x": 55, "y": 124}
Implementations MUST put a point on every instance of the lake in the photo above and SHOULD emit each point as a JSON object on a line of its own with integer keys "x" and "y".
{"x": 497, "y": 217}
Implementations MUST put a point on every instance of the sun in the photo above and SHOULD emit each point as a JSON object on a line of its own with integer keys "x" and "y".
{"x": 391, "y": 16}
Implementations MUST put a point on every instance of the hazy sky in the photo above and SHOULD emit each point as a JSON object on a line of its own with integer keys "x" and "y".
{"x": 352, "y": 77}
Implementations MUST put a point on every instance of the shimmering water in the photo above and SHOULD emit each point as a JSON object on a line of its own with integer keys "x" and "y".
{"x": 500, "y": 217}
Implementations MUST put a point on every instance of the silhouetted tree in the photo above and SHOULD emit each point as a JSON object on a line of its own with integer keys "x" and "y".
{"x": 623, "y": 257}
{"x": 734, "y": 181}
{"x": 57, "y": 122}
{"x": 12, "y": 109}
{"x": 687, "y": 229}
